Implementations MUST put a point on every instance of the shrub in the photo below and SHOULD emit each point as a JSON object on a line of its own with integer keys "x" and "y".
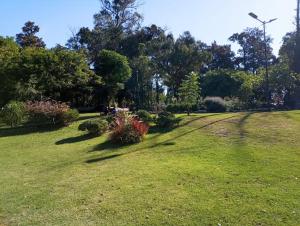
{"x": 13, "y": 113}
{"x": 166, "y": 120}
{"x": 181, "y": 108}
{"x": 234, "y": 104}
{"x": 68, "y": 117}
{"x": 95, "y": 127}
{"x": 215, "y": 104}
{"x": 128, "y": 130}
{"x": 50, "y": 111}
{"x": 145, "y": 116}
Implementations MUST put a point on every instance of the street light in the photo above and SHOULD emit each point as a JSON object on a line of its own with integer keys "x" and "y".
{"x": 264, "y": 23}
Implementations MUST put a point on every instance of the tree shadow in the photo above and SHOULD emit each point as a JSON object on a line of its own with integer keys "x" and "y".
{"x": 77, "y": 139}
{"x": 101, "y": 159}
{"x": 81, "y": 118}
{"x": 108, "y": 145}
{"x": 28, "y": 129}
{"x": 241, "y": 124}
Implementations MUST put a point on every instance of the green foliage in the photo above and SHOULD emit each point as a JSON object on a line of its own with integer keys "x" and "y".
{"x": 215, "y": 104}
{"x": 9, "y": 58}
{"x": 230, "y": 83}
{"x": 68, "y": 117}
{"x": 189, "y": 91}
{"x": 181, "y": 108}
{"x": 95, "y": 127}
{"x": 144, "y": 115}
{"x": 13, "y": 113}
{"x": 114, "y": 69}
{"x": 28, "y": 36}
{"x": 166, "y": 120}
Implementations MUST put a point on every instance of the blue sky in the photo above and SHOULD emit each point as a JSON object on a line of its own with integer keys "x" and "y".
{"x": 207, "y": 20}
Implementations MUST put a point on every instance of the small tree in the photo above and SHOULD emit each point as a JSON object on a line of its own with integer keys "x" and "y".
{"x": 115, "y": 71}
{"x": 189, "y": 91}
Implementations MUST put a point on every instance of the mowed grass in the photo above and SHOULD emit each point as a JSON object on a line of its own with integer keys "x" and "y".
{"x": 214, "y": 169}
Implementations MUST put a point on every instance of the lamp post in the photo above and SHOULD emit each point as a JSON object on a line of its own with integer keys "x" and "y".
{"x": 264, "y": 23}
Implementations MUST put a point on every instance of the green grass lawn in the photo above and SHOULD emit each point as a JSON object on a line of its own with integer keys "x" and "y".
{"x": 226, "y": 169}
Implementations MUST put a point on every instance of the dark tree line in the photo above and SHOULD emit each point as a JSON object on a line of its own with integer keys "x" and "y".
{"x": 120, "y": 62}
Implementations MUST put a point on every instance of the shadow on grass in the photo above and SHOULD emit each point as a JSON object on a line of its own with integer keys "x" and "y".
{"x": 77, "y": 139}
{"x": 103, "y": 158}
{"x": 28, "y": 129}
{"x": 81, "y": 118}
{"x": 169, "y": 142}
{"x": 107, "y": 145}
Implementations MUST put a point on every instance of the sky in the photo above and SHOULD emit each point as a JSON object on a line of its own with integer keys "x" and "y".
{"x": 207, "y": 20}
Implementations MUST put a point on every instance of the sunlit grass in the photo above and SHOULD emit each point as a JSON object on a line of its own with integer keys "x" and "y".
{"x": 228, "y": 169}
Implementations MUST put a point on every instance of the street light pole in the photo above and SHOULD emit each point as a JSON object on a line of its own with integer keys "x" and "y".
{"x": 264, "y": 23}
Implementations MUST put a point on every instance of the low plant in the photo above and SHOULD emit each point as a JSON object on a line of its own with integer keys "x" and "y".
{"x": 215, "y": 104}
{"x": 181, "y": 108}
{"x": 95, "y": 127}
{"x": 166, "y": 120}
{"x": 68, "y": 117}
{"x": 128, "y": 129}
{"x": 50, "y": 111}
{"x": 13, "y": 113}
{"x": 144, "y": 115}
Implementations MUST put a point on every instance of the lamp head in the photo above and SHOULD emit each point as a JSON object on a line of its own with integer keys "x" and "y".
{"x": 253, "y": 15}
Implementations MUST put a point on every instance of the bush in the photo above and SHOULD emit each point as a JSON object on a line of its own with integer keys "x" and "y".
{"x": 234, "y": 104}
{"x": 215, "y": 104}
{"x": 166, "y": 120}
{"x": 181, "y": 108}
{"x": 128, "y": 130}
{"x": 95, "y": 127}
{"x": 145, "y": 116}
{"x": 68, "y": 117}
{"x": 50, "y": 111}
{"x": 13, "y": 113}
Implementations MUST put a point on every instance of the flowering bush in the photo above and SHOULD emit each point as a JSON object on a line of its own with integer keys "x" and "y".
{"x": 52, "y": 111}
{"x": 128, "y": 129}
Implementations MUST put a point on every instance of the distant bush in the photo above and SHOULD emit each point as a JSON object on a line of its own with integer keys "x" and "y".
{"x": 181, "y": 108}
{"x": 50, "y": 111}
{"x": 128, "y": 130}
{"x": 215, "y": 104}
{"x": 166, "y": 120}
{"x": 68, "y": 117}
{"x": 13, "y": 113}
{"x": 95, "y": 127}
{"x": 144, "y": 115}
{"x": 234, "y": 104}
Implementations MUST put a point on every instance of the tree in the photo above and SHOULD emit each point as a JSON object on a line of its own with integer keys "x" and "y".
{"x": 9, "y": 59}
{"x": 222, "y": 57}
{"x": 252, "y": 52}
{"x": 28, "y": 36}
{"x": 189, "y": 91}
{"x": 230, "y": 83}
{"x": 115, "y": 71}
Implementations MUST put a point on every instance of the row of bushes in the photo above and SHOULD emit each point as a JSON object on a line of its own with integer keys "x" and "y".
{"x": 210, "y": 104}
{"x": 127, "y": 128}
{"x": 46, "y": 112}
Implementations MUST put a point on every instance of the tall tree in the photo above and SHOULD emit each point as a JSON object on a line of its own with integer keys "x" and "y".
{"x": 252, "y": 53}
{"x": 222, "y": 57}
{"x": 28, "y": 36}
{"x": 296, "y": 64}
{"x": 189, "y": 91}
